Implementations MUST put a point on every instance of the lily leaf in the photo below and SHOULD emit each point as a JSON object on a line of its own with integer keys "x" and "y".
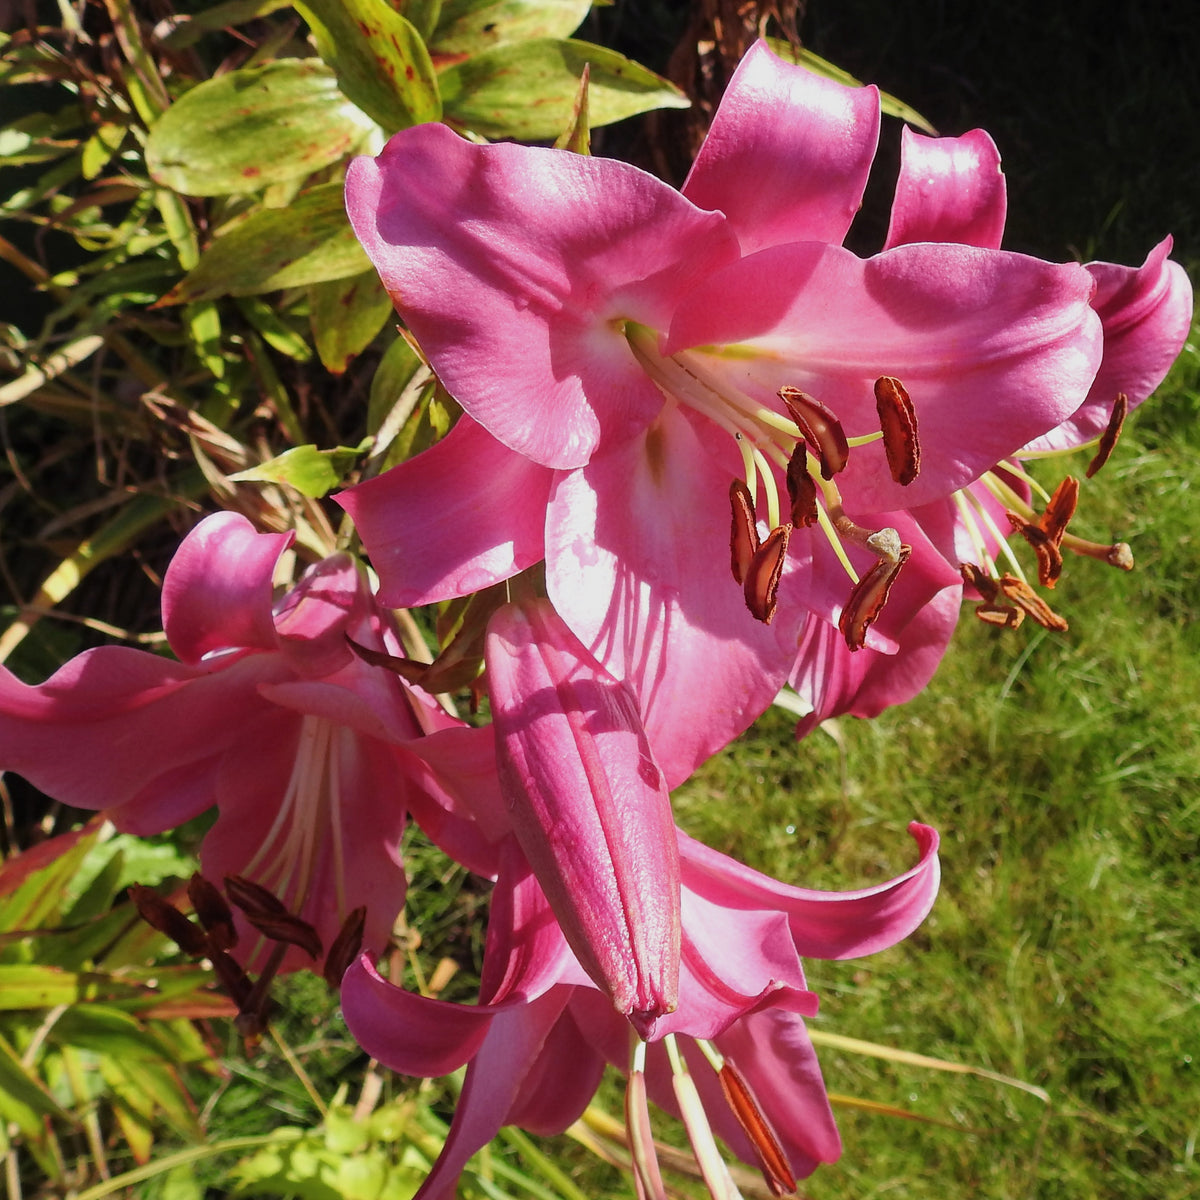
{"x": 528, "y": 90}
{"x": 469, "y": 26}
{"x": 380, "y": 59}
{"x": 310, "y": 471}
{"x": 310, "y": 241}
{"x": 250, "y": 129}
{"x": 345, "y": 315}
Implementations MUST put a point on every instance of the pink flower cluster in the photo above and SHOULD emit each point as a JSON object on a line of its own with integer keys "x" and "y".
{"x": 747, "y": 458}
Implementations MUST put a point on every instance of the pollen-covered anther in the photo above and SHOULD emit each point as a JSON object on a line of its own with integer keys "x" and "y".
{"x": 1019, "y": 593}
{"x": 802, "y": 489}
{"x": 346, "y": 947}
{"x": 1049, "y": 557}
{"x": 772, "y": 1160}
{"x": 162, "y": 915}
{"x": 821, "y": 430}
{"x": 764, "y": 573}
{"x": 1046, "y": 537}
{"x": 898, "y": 423}
{"x": 991, "y": 611}
{"x": 267, "y": 913}
{"x": 868, "y": 597}
{"x": 1108, "y": 439}
{"x": 743, "y": 535}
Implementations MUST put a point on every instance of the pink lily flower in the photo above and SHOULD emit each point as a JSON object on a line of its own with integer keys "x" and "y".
{"x": 537, "y": 1042}
{"x": 623, "y": 351}
{"x": 305, "y": 750}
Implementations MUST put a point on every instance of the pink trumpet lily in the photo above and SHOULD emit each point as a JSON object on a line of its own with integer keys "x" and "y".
{"x": 623, "y": 351}
{"x": 537, "y": 1042}
{"x": 304, "y": 749}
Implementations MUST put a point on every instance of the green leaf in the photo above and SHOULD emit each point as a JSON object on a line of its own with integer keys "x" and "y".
{"x": 192, "y": 27}
{"x": 310, "y": 471}
{"x": 527, "y": 90}
{"x": 23, "y": 1097}
{"x": 469, "y": 26}
{"x": 24, "y": 986}
{"x": 35, "y": 882}
{"x": 380, "y": 59}
{"x": 346, "y": 314}
{"x": 274, "y": 329}
{"x": 310, "y": 241}
{"x": 250, "y": 129}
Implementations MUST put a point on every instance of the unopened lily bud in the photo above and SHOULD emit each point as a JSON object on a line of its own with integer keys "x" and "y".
{"x": 589, "y": 807}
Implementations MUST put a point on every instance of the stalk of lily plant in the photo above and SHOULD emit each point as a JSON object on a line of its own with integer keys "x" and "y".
{"x": 305, "y": 750}
{"x": 624, "y": 351}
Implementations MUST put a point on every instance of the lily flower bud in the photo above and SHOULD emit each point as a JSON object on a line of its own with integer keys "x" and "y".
{"x": 589, "y": 807}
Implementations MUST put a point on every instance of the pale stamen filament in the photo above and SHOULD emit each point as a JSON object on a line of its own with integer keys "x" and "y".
{"x": 1016, "y": 470}
{"x": 983, "y": 556}
{"x": 704, "y": 1145}
{"x": 286, "y": 859}
{"x": 1001, "y": 538}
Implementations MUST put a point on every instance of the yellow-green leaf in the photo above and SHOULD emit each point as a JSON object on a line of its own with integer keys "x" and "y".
{"x": 250, "y": 129}
{"x": 345, "y": 315}
{"x": 469, "y": 26}
{"x": 310, "y": 241}
{"x": 380, "y": 60}
{"x": 528, "y": 90}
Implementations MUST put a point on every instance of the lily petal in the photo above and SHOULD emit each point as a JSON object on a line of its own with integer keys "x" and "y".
{"x": 950, "y": 189}
{"x": 781, "y": 179}
{"x": 1008, "y": 339}
{"x": 637, "y": 550}
{"x": 1146, "y": 313}
{"x": 823, "y": 924}
{"x": 514, "y": 266}
{"x": 217, "y": 591}
{"x": 465, "y": 514}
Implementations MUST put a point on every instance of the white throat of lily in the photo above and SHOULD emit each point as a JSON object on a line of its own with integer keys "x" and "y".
{"x": 807, "y": 446}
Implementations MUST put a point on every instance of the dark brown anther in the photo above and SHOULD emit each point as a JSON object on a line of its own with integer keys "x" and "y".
{"x": 345, "y": 947}
{"x": 268, "y": 915}
{"x": 898, "y": 421}
{"x": 802, "y": 489}
{"x": 1108, "y": 439}
{"x": 1019, "y": 593}
{"x": 1049, "y": 557}
{"x": 1003, "y": 615}
{"x": 743, "y": 537}
{"x": 765, "y": 571}
{"x": 160, "y": 914}
{"x": 1046, "y": 537}
{"x": 236, "y": 984}
{"x": 214, "y": 914}
{"x": 772, "y": 1160}
{"x": 820, "y": 428}
{"x": 868, "y": 597}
